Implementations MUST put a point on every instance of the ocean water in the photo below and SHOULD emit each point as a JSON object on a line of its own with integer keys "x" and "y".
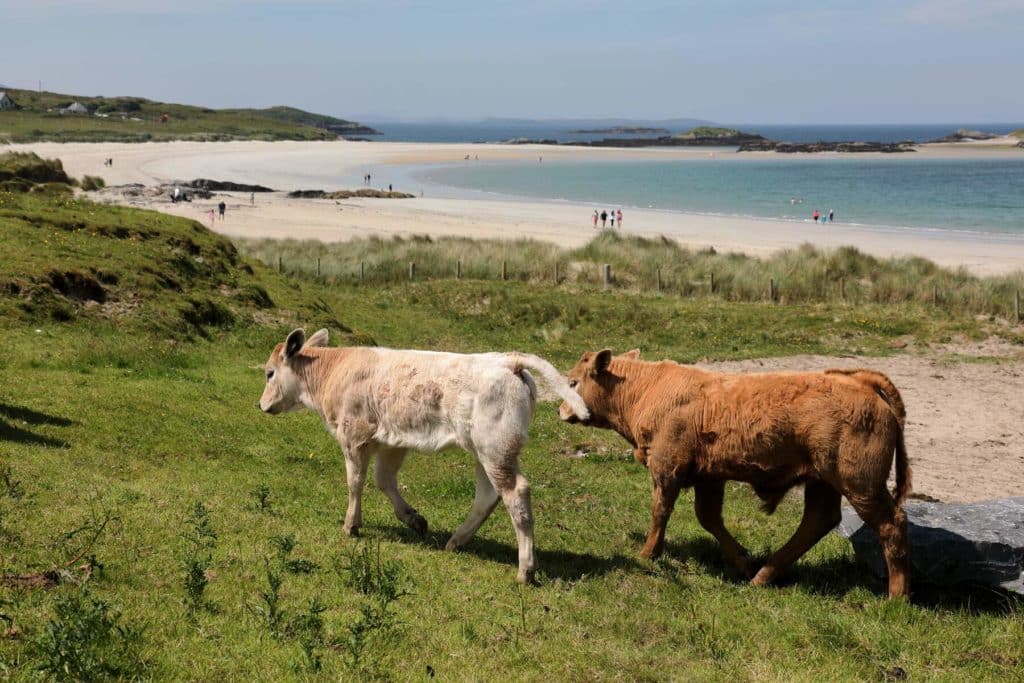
{"x": 969, "y": 195}
{"x": 499, "y": 131}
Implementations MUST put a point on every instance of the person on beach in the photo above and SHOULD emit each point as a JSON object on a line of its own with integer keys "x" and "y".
{"x": 389, "y": 187}
{"x": 611, "y": 217}
{"x": 221, "y": 208}
{"x": 596, "y": 216}
{"x": 604, "y": 218}
{"x": 618, "y": 215}
{"x": 831, "y": 215}
{"x": 815, "y": 215}
{"x": 252, "y": 199}
{"x": 211, "y": 218}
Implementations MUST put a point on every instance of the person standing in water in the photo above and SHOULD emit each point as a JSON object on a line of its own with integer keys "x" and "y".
{"x": 611, "y": 218}
{"x": 618, "y": 215}
{"x": 815, "y": 215}
{"x": 831, "y": 215}
{"x": 604, "y": 218}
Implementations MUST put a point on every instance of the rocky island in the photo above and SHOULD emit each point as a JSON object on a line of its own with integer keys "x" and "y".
{"x": 622, "y": 130}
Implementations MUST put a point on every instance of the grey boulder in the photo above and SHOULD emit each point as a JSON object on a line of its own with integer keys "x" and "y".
{"x": 980, "y": 543}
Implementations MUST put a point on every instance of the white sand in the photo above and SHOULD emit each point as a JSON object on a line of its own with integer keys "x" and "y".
{"x": 304, "y": 165}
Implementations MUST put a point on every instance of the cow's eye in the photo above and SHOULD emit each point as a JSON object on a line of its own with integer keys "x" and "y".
{"x": 573, "y": 383}
{"x": 270, "y": 374}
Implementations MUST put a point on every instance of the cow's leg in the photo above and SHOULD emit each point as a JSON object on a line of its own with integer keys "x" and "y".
{"x": 890, "y": 523}
{"x": 514, "y": 490}
{"x": 357, "y": 458}
{"x": 708, "y": 497}
{"x": 821, "y": 515}
{"x": 386, "y": 474}
{"x": 484, "y": 502}
{"x": 666, "y": 489}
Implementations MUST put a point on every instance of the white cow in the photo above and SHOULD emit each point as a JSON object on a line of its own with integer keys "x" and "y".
{"x": 385, "y": 402}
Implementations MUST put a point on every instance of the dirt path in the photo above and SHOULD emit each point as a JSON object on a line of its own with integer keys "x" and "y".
{"x": 965, "y": 420}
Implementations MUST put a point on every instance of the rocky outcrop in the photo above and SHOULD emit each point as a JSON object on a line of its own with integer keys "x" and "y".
{"x": 622, "y": 130}
{"x": 348, "y": 194}
{"x": 222, "y": 186}
{"x": 964, "y": 135}
{"x": 979, "y": 543}
{"x": 661, "y": 141}
{"x": 810, "y": 147}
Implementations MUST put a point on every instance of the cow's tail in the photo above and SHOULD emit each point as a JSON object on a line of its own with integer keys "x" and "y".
{"x": 888, "y": 392}
{"x": 552, "y": 377}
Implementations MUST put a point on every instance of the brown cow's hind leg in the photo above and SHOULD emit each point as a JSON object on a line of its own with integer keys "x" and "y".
{"x": 707, "y": 503}
{"x": 890, "y": 523}
{"x": 821, "y": 515}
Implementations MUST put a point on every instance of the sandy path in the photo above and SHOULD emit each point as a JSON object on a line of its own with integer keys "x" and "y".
{"x": 965, "y": 426}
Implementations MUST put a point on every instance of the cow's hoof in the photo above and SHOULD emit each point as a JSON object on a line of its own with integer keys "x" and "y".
{"x": 418, "y": 524}
{"x": 765, "y": 577}
{"x": 746, "y": 567}
{"x": 526, "y": 577}
{"x": 650, "y": 553}
{"x": 452, "y": 544}
{"x": 352, "y": 531}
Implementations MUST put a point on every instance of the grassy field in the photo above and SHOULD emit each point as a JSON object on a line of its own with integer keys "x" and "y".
{"x": 134, "y": 119}
{"x": 804, "y": 275}
{"x": 199, "y": 539}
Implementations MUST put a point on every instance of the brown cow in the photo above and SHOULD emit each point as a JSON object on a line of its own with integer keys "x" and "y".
{"x": 835, "y": 432}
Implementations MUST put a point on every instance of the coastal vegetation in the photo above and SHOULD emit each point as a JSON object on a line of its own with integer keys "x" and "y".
{"x": 153, "y": 524}
{"x": 709, "y": 132}
{"x": 38, "y": 118}
{"x": 806, "y": 275}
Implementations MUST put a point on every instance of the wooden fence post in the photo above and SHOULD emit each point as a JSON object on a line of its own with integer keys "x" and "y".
{"x": 842, "y": 288}
{"x": 659, "y": 279}
{"x": 1016, "y": 305}
{"x": 458, "y": 269}
{"x": 318, "y": 266}
{"x": 412, "y": 270}
{"x": 556, "y": 272}
{"x": 607, "y": 269}
{"x": 935, "y": 295}
{"x": 712, "y": 282}
{"x": 362, "y": 270}
{"x": 279, "y": 263}
{"x": 504, "y": 270}
{"x": 771, "y": 289}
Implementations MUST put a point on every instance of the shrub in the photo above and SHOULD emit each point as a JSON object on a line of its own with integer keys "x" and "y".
{"x": 93, "y": 182}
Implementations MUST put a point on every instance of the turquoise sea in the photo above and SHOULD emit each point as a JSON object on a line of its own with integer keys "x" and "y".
{"x": 970, "y": 195}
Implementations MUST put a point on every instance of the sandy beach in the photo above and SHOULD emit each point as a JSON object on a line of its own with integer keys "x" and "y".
{"x": 304, "y": 165}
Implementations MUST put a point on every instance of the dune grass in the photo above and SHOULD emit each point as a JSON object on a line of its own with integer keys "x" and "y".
{"x": 803, "y": 275}
{"x": 117, "y": 419}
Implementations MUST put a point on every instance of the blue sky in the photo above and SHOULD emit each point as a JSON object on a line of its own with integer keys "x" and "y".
{"x": 787, "y": 61}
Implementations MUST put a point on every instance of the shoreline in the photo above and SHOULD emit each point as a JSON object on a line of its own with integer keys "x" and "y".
{"x": 306, "y": 165}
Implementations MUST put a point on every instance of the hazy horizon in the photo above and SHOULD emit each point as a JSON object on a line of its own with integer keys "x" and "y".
{"x": 788, "y": 63}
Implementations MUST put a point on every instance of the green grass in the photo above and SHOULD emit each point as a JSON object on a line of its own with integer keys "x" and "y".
{"x": 37, "y": 120}
{"x": 709, "y": 132}
{"x": 133, "y": 414}
{"x": 803, "y": 275}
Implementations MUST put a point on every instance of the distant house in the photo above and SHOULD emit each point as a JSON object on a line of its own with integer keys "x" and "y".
{"x": 74, "y": 108}
{"x": 6, "y": 102}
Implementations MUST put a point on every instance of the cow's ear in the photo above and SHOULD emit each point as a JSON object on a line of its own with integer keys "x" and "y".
{"x": 318, "y": 338}
{"x": 294, "y": 343}
{"x": 632, "y": 353}
{"x": 602, "y": 360}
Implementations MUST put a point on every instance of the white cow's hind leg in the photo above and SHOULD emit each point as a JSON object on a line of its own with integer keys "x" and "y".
{"x": 386, "y": 473}
{"x": 356, "y": 461}
{"x": 484, "y": 502}
{"x": 515, "y": 493}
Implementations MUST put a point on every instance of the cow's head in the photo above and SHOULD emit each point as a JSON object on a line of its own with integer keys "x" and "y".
{"x": 284, "y": 390}
{"x": 594, "y": 383}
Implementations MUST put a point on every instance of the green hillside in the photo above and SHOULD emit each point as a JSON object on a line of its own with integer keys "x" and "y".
{"x": 154, "y": 525}
{"x": 135, "y": 119}
{"x": 709, "y": 132}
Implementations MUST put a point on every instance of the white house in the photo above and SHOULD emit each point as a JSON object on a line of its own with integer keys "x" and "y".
{"x": 6, "y": 102}
{"x": 74, "y": 108}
